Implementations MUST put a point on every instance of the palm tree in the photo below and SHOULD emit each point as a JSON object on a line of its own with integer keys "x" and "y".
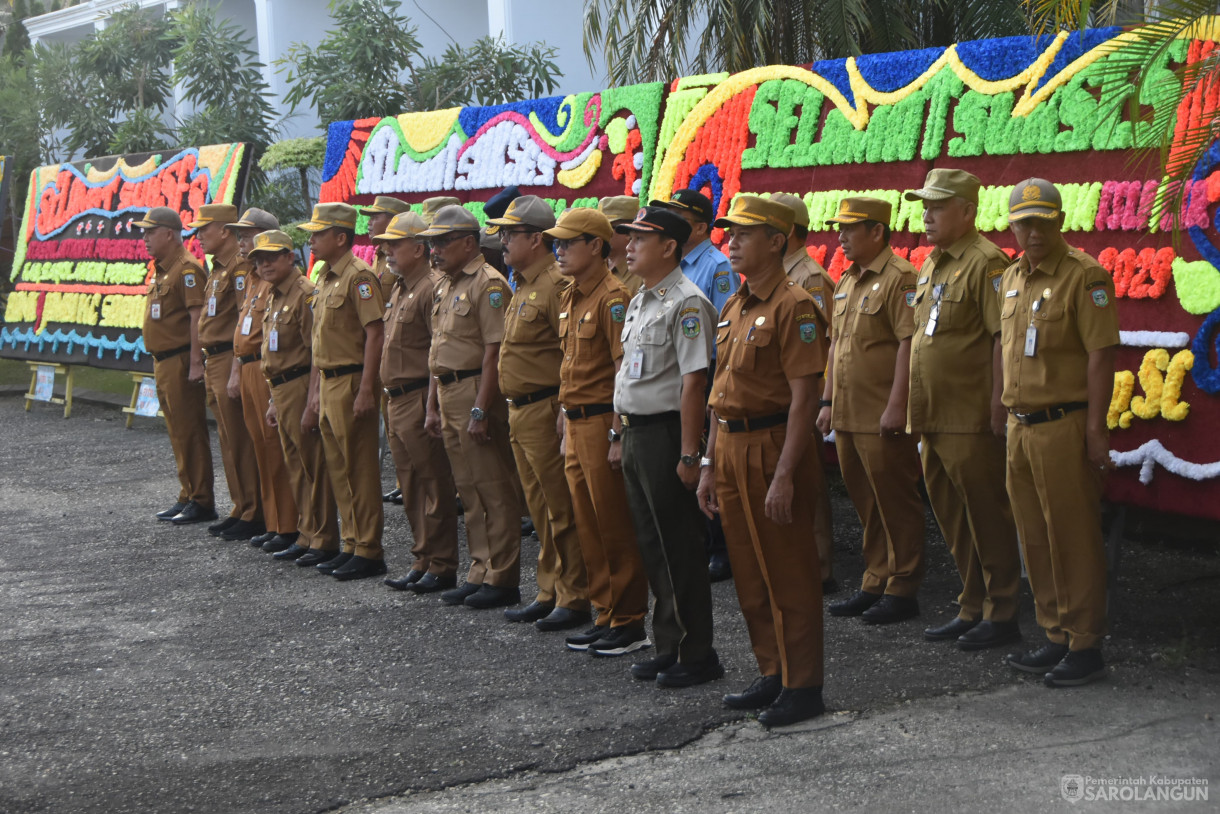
{"x": 657, "y": 40}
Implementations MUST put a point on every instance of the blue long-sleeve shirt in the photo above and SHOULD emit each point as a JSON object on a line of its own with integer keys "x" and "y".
{"x": 708, "y": 268}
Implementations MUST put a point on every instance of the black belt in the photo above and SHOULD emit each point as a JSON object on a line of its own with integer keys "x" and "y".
{"x": 223, "y": 347}
{"x": 537, "y": 395}
{"x": 161, "y": 356}
{"x": 458, "y": 375}
{"x": 749, "y": 424}
{"x": 633, "y": 421}
{"x": 287, "y": 376}
{"x": 588, "y": 411}
{"x": 403, "y": 389}
{"x": 346, "y": 370}
{"x": 1050, "y": 413}
{"x": 250, "y": 357}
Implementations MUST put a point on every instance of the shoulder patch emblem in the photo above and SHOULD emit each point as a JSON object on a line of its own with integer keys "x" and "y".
{"x": 188, "y": 280}
{"x": 690, "y": 327}
{"x": 240, "y": 282}
{"x": 910, "y": 297}
{"x": 818, "y": 299}
{"x": 496, "y": 298}
{"x": 617, "y": 312}
{"x": 809, "y": 332}
{"x": 995, "y": 283}
{"x": 365, "y": 291}
{"x": 1100, "y": 298}
{"x": 722, "y": 284}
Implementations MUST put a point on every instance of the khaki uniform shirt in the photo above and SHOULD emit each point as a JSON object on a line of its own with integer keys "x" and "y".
{"x": 770, "y": 333}
{"x": 176, "y": 287}
{"x": 226, "y": 290}
{"x": 667, "y": 333}
{"x": 349, "y": 297}
{"x": 809, "y": 275}
{"x": 467, "y": 316}
{"x": 590, "y": 328}
{"x": 248, "y": 333}
{"x": 408, "y": 330}
{"x": 629, "y": 280}
{"x": 530, "y": 355}
{"x": 289, "y": 320}
{"x": 957, "y": 317}
{"x": 1069, "y": 301}
{"x": 872, "y": 314}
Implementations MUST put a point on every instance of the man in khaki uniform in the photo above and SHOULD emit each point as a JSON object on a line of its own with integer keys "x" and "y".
{"x": 1059, "y": 332}
{"x": 530, "y": 358}
{"x": 465, "y": 406}
{"x": 419, "y": 458}
{"x": 347, "y": 340}
{"x": 865, "y": 402}
{"x": 287, "y": 338}
{"x": 760, "y": 462}
{"x": 171, "y": 336}
{"x": 223, "y": 297}
{"x": 621, "y": 209}
{"x": 809, "y": 275}
{"x": 592, "y": 309}
{"x": 955, "y": 405}
{"x": 380, "y": 212}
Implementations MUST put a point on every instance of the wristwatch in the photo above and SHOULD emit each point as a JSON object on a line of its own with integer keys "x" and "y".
{"x": 823, "y": 402}
{"x": 690, "y": 460}
{"x": 613, "y": 435}
{"x": 477, "y": 414}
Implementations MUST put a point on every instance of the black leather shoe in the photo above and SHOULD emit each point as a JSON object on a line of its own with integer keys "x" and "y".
{"x": 431, "y": 583}
{"x": 829, "y": 586}
{"x": 293, "y": 552}
{"x": 1040, "y": 661}
{"x": 404, "y": 582}
{"x": 171, "y": 512}
{"x": 492, "y": 596}
{"x": 718, "y": 568}
{"x": 891, "y": 609}
{"x": 530, "y": 613}
{"x": 216, "y": 528}
{"x": 314, "y": 557}
{"x": 793, "y": 706}
{"x": 563, "y": 619}
{"x": 193, "y": 513}
{"x": 950, "y": 630}
{"x": 1078, "y": 667}
{"x": 327, "y": 566}
{"x": 392, "y": 497}
{"x": 683, "y": 675}
{"x": 762, "y": 692}
{"x": 244, "y": 530}
{"x": 457, "y": 596}
{"x": 854, "y": 605}
{"x": 259, "y": 539}
{"x": 990, "y": 634}
{"x": 359, "y": 568}
{"x": 278, "y": 543}
{"x": 648, "y": 669}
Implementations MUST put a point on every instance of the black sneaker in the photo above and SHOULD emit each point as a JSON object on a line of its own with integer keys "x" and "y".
{"x": 581, "y": 641}
{"x": 1077, "y": 668}
{"x": 1040, "y": 661}
{"x": 620, "y": 641}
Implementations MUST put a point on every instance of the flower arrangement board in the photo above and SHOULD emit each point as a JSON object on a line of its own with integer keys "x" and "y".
{"x": 1003, "y": 109}
{"x": 81, "y": 273}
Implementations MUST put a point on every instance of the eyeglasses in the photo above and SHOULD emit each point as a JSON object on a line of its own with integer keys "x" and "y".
{"x": 508, "y": 234}
{"x": 564, "y": 244}
{"x": 441, "y": 241}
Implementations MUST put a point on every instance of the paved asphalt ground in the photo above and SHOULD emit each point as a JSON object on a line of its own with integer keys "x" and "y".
{"x": 154, "y": 669}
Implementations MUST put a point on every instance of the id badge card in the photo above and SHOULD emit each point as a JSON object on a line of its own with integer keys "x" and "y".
{"x": 273, "y": 340}
{"x": 246, "y": 325}
{"x": 154, "y": 310}
{"x": 635, "y": 366}
{"x": 212, "y": 306}
{"x": 933, "y": 318}
{"x": 1031, "y": 340}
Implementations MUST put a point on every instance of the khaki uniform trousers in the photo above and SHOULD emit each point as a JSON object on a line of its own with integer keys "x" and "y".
{"x": 487, "y": 481}
{"x": 618, "y": 587}
{"x": 561, "y": 565}
{"x": 305, "y": 461}
{"x": 1056, "y": 501}
{"x": 775, "y": 568}
{"x": 236, "y": 447}
{"x": 275, "y": 487}
{"x": 426, "y": 482}
{"x": 823, "y": 518}
{"x": 964, "y": 473}
{"x": 882, "y": 479}
{"x": 186, "y": 421}
{"x": 353, "y": 465}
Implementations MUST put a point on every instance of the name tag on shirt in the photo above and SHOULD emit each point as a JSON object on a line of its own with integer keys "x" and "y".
{"x": 154, "y": 310}
{"x": 211, "y": 306}
{"x": 246, "y": 325}
{"x": 1012, "y": 293}
{"x": 273, "y": 340}
{"x": 635, "y": 366}
{"x": 842, "y": 296}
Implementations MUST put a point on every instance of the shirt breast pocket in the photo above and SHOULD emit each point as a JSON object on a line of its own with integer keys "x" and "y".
{"x": 586, "y": 332}
{"x": 461, "y": 308}
{"x": 870, "y": 318}
{"x": 1009, "y": 308}
{"x": 654, "y": 334}
{"x": 755, "y": 343}
{"x": 1049, "y": 321}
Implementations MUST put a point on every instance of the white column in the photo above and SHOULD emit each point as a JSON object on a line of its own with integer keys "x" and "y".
{"x": 264, "y": 17}
{"x": 500, "y": 19}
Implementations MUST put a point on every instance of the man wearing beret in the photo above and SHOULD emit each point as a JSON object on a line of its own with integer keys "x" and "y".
{"x": 865, "y": 403}
{"x": 1058, "y": 335}
{"x": 379, "y": 213}
{"x": 955, "y": 406}
{"x": 224, "y": 295}
{"x": 530, "y": 359}
{"x": 171, "y": 336}
{"x": 347, "y": 342}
